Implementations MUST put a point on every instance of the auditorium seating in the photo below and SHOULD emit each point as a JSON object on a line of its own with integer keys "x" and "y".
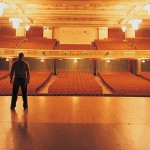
{"x": 140, "y": 43}
{"x": 4, "y": 74}
{"x": 75, "y": 83}
{"x": 50, "y": 44}
{"x": 10, "y": 41}
{"x": 125, "y": 83}
{"x": 145, "y": 75}
{"x": 38, "y": 43}
{"x": 38, "y": 79}
{"x": 5, "y": 86}
{"x": 75, "y": 47}
{"x": 112, "y": 44}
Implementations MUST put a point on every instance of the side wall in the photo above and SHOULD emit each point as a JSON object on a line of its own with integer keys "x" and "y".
{"x": 72, "y": 65}
{"x": 4, "y": 65}
{"x": 37, "y": 65}
{"x": 145, "y": 66}
{"x": 112, "y": 66}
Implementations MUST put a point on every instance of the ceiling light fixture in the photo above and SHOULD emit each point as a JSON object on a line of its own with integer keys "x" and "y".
{"x": 2, "y": 7}
{"x": 27, "y": 27}
{"x": 147, "y": 7}
{"x": 123, "y": 28}
{"x": 16, "y": 22}
{"x": 135, "y": 23}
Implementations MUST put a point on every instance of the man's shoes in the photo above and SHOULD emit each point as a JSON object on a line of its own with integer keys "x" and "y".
{"x": 12, "y": 108}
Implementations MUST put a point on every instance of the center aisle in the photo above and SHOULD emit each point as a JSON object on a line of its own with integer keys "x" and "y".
{"x": 104, "y": 87}
{"x": 45, "y": 88}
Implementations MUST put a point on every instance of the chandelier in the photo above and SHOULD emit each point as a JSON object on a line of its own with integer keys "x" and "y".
{"x": 124, "y": 28}
{"x": 16, "y": 22}
{"x": 147, "y": 7}
{"x": 27, "y": 27}
{"x": 2, "y": 7}
{"x": 135, "y": 23}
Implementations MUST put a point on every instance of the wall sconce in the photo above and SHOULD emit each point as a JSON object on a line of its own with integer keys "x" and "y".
{"x": 7, "y": 59}
{"x": 42, "y": 60}
{"x": 108, "y": 60}
{"x": 16, "y": 22}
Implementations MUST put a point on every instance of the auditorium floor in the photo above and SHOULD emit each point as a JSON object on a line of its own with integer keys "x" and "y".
{"x": 76, "y": 123}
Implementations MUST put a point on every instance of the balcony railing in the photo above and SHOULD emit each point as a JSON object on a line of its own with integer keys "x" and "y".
{"x": 104, "y": 54}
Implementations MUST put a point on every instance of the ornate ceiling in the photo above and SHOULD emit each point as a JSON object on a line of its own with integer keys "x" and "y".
{"x": 89, "y": 13}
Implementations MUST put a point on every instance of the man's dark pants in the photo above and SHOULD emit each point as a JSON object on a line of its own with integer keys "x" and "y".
{"x": 17, "y": 83}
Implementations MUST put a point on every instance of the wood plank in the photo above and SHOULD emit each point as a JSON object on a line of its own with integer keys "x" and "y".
{"x": 76, "y": 123}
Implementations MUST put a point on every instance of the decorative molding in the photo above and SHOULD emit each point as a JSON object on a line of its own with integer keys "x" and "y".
{"x": 68, "y": 54}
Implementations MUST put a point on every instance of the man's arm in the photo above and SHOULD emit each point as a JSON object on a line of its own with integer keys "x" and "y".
{"x": 11, "y": 73}
{"x": 28, "y": 74}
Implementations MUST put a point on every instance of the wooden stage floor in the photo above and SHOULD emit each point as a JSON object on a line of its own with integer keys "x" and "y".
{"x": 76, "y": 123}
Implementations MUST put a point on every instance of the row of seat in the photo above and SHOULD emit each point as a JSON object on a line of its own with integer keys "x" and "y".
{"x": 3, "y": 74}
{"x": 74, "y": 74}
{"x": 35, "y": 43}
{"x": 112, "y": 45}
{"x": 75, "y": 47}
{"x": 145, "y": 75}
{"x": 50, "y": 44}
{"x": 10, "y": 41}
{"x": 83, "y": 83}
{"x": 140, "y": 43}
{"x": 75, "y": 84}
{"x": 126, "y": 83}
{"x": 36, "y": 82}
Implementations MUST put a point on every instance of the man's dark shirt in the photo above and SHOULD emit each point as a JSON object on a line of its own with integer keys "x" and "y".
{"x": 20, "y": 69}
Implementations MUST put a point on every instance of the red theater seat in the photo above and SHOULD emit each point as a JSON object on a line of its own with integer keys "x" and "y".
{"x": 75, "y": 83}
{"x": 126, "y": 83}
{"x": 112, "y": 44}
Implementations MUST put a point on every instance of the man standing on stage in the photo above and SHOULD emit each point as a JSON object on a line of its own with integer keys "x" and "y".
{"x": 21, "y": 73}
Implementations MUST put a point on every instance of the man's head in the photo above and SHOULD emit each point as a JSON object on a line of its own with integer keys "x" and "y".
{"x": 21, "y": 55}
